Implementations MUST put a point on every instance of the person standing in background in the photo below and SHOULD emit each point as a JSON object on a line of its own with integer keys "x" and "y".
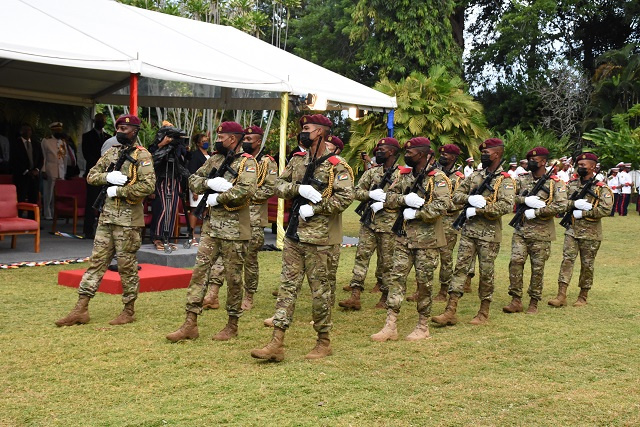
{"x": 54, "y": 151}
{"x": 91, "y": 144}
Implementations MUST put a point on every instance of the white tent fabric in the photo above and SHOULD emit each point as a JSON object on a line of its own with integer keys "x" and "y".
{"x": 79, "y": 51}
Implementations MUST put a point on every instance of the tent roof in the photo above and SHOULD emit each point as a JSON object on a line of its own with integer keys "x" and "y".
{"x": 82, "y": 51}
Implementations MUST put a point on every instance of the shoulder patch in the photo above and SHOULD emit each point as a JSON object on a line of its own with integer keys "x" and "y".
{"x": 247, "y": 155}
{"x": 459, "y": 174}
{"x": 404, "y": 170}
{"x": 145, "y": 163}
{"x": 334, "y": 160}
{"x": 343, "y": 176}
{"x": 299, "y": 153}
{"x": 250, "y": 169}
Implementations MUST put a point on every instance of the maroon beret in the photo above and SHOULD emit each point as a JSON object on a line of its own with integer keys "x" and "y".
{"x": 418, "y": 141}
{"x": 254, "y": 130}
{"x": 392, "y": 142}
{"x": 315, "y": 119}
{"x": 587, "y": 156}
{"x": 230, "y": 127}
{"x": 128, "y": 119}
{"x": 491, "y": 143}
{"x": 336, "y": 141}
{"x": 538, "y": 151}
{"x": 451, "y": 149}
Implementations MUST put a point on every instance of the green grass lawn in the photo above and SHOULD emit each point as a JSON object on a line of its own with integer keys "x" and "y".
{"x": 565, "y": 366}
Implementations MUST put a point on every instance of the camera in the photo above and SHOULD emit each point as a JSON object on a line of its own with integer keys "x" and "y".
{"x": 179, "y": 136}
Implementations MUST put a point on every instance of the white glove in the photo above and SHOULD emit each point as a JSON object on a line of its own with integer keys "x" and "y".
{"x": 116, "y": 178}
{"x": 583, "y": 205}
{"x": 577, "y": 214}
{"x": 378, "y": 195}
{"x": 111, "y": 191}
{"x": 212, "y": 199}
{"x": 375, "y": 207}
{"x": 530, "y": 213}
{"x": 471, "y": 212}
{"x": 409, "y": 213}
{"x": 413, "y": 200}
{"x": 219, "y": 184}
{"x": 534, "y": 202}
{"x": 310, "y": 193}
{"x": 477, "y": 201}
{"x": 306, "y": 211}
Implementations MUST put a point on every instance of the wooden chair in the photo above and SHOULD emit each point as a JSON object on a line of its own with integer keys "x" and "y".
{"x": 10, "y": 223}
{"x": 70, "y": 197}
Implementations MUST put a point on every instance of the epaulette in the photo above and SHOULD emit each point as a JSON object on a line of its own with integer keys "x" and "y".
{"x": 334, "y": 160}
{"x": 247, "y": 155}
{"x": 299, "y": 153}
{"x": 140, "y": 147}
{"x": 270, "y": 158}
{"x": 573, "y": 178}
{"x": 459, "y": 174}
{"x": 433, "y": 172}
{"x": 555, "y": 178}
{"x": 505, "y": 174}
{"x": 404, "y": 170}
{"x": 600, "y": 184}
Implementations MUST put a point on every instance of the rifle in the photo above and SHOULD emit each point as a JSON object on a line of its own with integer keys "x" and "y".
{"x": 517, "y": 220}
{"x": 114, "y": 166}
{"x": 586, "y": 190}
{"x": 214, "y": 173}
{"x": 398, "y": 225}
{"x": 364, "y": 208}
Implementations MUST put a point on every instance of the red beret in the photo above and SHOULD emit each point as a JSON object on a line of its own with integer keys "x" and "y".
{"x": 254, "y": 130}
{"x": 230, "y": 127}
{"x": 336, "y": 141}
{"x": 128, "y": 119}
{"x": 392, "y": 142}
{"x": 316, "y": 119}
{"x": 588, "y": 156}
{"x": 418, "y": 141}
{"x": 451, "y": 149}
{"x": 538, "y": 151}
{"x": 491, "y": 143}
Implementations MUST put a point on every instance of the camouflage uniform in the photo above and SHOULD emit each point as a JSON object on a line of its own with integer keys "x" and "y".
{"x": 319, "y": 234}
{"x": 424, "y": 235}
{"x": 121, "y": 222}
{"x": 534, "y": 237}
{"x": 225, "y": 233}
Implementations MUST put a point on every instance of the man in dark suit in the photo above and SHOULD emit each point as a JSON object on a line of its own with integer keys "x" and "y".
{"x": 26, "y": 162}
{"x": 91, "y": 143}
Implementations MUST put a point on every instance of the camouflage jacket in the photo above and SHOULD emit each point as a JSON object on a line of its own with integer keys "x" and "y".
{"x": 426, "y": 230}
{"x": 325, "y": 226}
{"x": 455, "y": 177}
{"x": 589, "y": 226}
{"x": 231, "y": 218}
{"x": 126, "y": 208}
{"x": 383, "y": 220}
{"x": 267, "y": 173}
{"x": 542, "y": 227}
{"x": 487, "y": 223}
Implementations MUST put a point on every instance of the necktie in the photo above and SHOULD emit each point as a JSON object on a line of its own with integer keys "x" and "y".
{"x": 27, "y": 144}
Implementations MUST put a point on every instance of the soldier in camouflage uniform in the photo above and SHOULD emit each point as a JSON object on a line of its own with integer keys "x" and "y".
{"x": 377, "y": 235}
{"x": 532, "y": 238}
{"x": 308, "y": 252}
{"x": 422, "y": 192}
{"x": 585, "y": 233}
{"x": 226, "y": 231}
{"x": 482, "y": 231}
{"x": 121, "y": 222}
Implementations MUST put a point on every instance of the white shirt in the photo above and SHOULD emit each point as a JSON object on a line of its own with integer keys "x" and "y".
{"x": 520, "y": 171}
{"x": 468, "y": 170}
{"x": 564, "y": 175}
{"x": 613, "y": 184}
{"x": 512, "y": 173}
{"x": 624, "y": 178}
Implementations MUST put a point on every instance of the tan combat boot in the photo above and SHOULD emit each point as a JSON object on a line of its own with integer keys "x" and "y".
{"x": 376, "y": 288}
{"x": 421, "y": 332}
{"x": 582, "y": 298}
{"x": 275, "y": 293}
{"x": 211, "y": 300}
{"x": 274, "y": 350}
{"x": 268, "y": 322}
{"x": 354, "y": 301}
{"x": 533, "y": 306}
{"x": 247, "y": 301}
{"x": 188, "y": 330}
{"x": 127, "y": 315}
{"x": 79, "y": 315}
{"x": 413, "y": 297}
{"x": 442, "y": 295}
{"x": 515, "y": 306}
{"x": 346, "y": 288}
{"x": 229, "y": 331}
{"x": 448, "y": 318}
{"x": 483, "y": 314}
{"x": 322, "y": 348}
{"x": 390, "y": 330}
{"x": 467, "y": 285}
{"x": 382, "y": 303}
{"x": 561, "y": 299}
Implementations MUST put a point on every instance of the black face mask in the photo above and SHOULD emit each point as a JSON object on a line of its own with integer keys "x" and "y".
{"x": 221, "y": 148}
{"x": 58, "y": 135}
{"x": 532, "y": 165}
{"x": 411, "y": 162}
{"x": 305, "y": 139}
{"x": 381, "y": 157}
{"x": 247, "y": 147}
{"x": 99, "y": 125}
{"x": 123, "y": 138}
{"x": 583, "y": 172}
{"x": 485, "y": 159}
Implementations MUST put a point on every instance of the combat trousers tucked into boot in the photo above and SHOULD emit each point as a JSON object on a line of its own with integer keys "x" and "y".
{"x": 561, "y": 299}
{"x": 376, "y": 288}
{"x": 274, "y": 350}
{"x": 467, "y": 285}
{"x": 268, "y": 322}
{"x": 229, "y": 331}
{"x": 533, "y": 306}
{"x": 442, "y": 295}
{"x": 247, "y": 301}
{"x": 322, "y": 348}
{"x": 582, "y": 298}
{"x": 515, "y": 306}
{"x": 390, "y": 330}
{"x": 347, "y": 288}
{"x": 483, "y": 314}
{"x": 421, "y": 332}
{"x": 413, "y": 297}
{"x": 211, "y": 300}
{"x": 448, "y": 318}
{"x": 127, "y": 315}
{"x": 382, "y": 303}
{"x": 354, "y": 301}
{"x": 79, "y": 315}
{"x": 188, "y": 330}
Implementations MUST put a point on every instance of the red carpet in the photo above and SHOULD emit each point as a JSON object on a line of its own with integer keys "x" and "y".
{"x": 153, "y": 278}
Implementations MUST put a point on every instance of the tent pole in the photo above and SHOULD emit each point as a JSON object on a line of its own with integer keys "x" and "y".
{"x": 284, "y": 118}
{"x": 133, "y": 94}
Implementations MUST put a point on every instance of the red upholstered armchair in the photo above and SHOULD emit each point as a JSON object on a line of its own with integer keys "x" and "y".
{"x": 10, "y": 223}
{"x": 70, "y": 196}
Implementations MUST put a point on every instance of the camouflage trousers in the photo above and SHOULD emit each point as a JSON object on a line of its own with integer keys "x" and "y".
{"x": 368, "y": 242}
{"x": 424, "y": 262}
{"x": 122, "y": 241}
{"x": 446, "y": 258}
{"x": 251, "y": 267}
{"x": 538, "y": 252}
{"x": 467, "y": 251}
{"x": 332, "y": 273}
{"x": 588, "y": 250}
{"x": 231, "y": 253}
{"x": 300, "y": 259}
